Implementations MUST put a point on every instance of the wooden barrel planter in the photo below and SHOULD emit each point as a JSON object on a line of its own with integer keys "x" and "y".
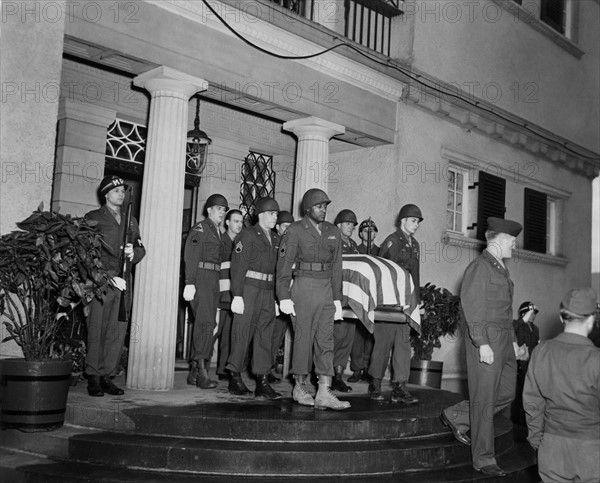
{"x": 426, "y": 373}
{"x": 34, "y": 393}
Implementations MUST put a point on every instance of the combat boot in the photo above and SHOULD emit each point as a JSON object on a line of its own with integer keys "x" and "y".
{"x": 356, "y": 376}
{"x": 193, "y": 374}
{"x": 264, "y": 389}
{"x": 325, "y": 399}
{"x": 300, "y": 394}
{"x": 202, "y": 380}
{"x": 94, "y": 388}
{"x": 109, "y": 388}
{"x": 375, "y": 390}
{"x": 237, "y": 386}
{"x": 338, "y": 383}
{"x": 401, "y": 395}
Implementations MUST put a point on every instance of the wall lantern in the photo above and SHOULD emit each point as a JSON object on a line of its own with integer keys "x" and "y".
{"x": 197, "y": 145}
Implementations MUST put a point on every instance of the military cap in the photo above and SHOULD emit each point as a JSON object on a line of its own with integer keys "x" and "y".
{"x": 217, "y": 200}
{"x": 265, "y": 204}
{"x": 312, "y": 197}
{"x": 580, "y": 301}
{"x": 526, "y": 307}
{"x": 366, "y": 224}
{"x": 410, "y": 210}
{"x": 110, "y": 183}
{"x": 501, "y": 225}
{"x": 346, "y": 216}
{"x": 284, "y": 217}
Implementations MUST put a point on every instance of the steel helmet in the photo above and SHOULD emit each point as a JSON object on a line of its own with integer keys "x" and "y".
{"x": 346, "y": 216}
{"x": 284, "y": 217}
{"x": 265, "y": 204}
{"x": 312, "y": 197}
{"x": 367, "y": 224}
{"x": 216, "y": 200}
{"x": 410, "y": 210}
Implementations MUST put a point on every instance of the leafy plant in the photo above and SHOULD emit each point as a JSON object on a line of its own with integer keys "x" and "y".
{"x": 440, "y": 316}
{"x": 46, "y": 270}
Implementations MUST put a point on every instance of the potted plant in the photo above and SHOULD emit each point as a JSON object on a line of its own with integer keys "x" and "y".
{"x": 47, "y": 268}
{"x": 440, "y": 316}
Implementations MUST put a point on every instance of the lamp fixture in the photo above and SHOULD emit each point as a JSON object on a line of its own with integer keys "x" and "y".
{"x": 197, "y": 145}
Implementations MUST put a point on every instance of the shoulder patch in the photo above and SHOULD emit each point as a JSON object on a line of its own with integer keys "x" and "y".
{"x": 194, "y": 241}
{"x": 239, "y": 247}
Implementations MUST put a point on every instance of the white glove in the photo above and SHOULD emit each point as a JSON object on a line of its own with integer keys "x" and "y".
{"x": 287, "y": 307}
{"x": 338, "y": 310}
{"x": 119, "y": 283}
{"x": 129, "y": 251}
{"x": 188, "y": 292}
{"x": 521, "y": 352}
{"x": 277, "y": 310}
{"x": 237, "y": 305}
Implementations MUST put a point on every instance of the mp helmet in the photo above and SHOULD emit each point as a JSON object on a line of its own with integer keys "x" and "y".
{"x": 217, "y": 200}
{"x": 265, "y": 204}
{"x": 346, "y": 216}
{"x": 410, "y": 211}
{"x": 312, "y": 197}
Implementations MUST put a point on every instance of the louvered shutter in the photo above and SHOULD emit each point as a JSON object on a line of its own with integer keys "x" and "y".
{"x": 534, "y": 230}
{"x": 553, "y": 14}
{"x": 492, "y": 195}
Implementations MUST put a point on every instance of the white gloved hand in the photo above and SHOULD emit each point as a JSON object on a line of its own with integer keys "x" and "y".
{"x": 287, "y": 307}
{"x": 129, "y": 251}
{"x": 119, "y": 283}
{"x": 338, "y": 310}
{"x": 521, "y": 352}
{"x": 237, "y": 305}
{"x": 189, "y": 292}
{"x": 277, "y": 310}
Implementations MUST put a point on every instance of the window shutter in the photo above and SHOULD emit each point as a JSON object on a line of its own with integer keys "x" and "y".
{"x": 553, "y": 13}
{"x": 492, "y": 194}
{"x": 534, "y": 231}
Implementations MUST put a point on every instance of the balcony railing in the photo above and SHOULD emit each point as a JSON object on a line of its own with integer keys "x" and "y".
{"x": 367, "y": 22}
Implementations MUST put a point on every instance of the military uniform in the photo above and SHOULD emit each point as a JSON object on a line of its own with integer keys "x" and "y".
{"x": 388, "y": 337}
{"x": 202, "y": 265}
{"x": 314, "y": 261}
{"x": 253, "y": 263}
{"x": 223, "y": 334}
{"x": 529, "y": 334}
{"x": 362, "y": 249}
{"x": 106, "y": 335}
{"x": 486, "y": 298}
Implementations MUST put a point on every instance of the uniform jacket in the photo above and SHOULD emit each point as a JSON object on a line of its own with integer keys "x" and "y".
{"x": 562, "y": 389}
{"x": 252, "y": 251}
{"x": 225, "y": 274}
{"x": 302, "y": 243}
{"x": 486, "y": 298}
{"x": 362, "y": 248}
{"x": 404, "y": 251}
{"x": 203, "y": 244}
{"x": 528, "y": 334}
{"x": 349, "y": 247}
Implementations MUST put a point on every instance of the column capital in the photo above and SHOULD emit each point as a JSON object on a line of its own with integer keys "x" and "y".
{"x": 314, "y": 126}
{"x": 170, "y": 81}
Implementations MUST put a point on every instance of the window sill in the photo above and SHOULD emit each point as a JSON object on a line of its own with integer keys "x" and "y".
{"x": 519, "y": 256}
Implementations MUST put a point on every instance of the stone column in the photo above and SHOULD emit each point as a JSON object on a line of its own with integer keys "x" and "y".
{"x": 312, "y": 156}
{"x": 154, "y": 317}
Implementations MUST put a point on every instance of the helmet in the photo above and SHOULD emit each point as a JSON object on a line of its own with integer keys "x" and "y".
{"x": 312, "y": 197}
{"x": 109, "y": 183}
{"x": 216, "y": 200}
{"x": 285, "y": 217}
{"x": 366, "y": 224}
{"x": 265, "y": 204}
{"x": 410, "y": 210}
{"x": 526, "y": 307}
{"x": 346, "y": 215}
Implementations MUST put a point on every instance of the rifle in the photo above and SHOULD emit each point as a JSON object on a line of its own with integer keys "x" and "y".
{"x": 123, "y": 305}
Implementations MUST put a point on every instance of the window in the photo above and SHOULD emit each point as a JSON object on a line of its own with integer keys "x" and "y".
{"x": 490, "y": 201}
{"x": 535, "y": 221}
{"x": 455, "y": 206}
{"x": 258, "y": 181}
{"x": 552, "y": 12}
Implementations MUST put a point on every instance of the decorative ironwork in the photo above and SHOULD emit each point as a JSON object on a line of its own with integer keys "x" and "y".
{"x": 258, "y": 181}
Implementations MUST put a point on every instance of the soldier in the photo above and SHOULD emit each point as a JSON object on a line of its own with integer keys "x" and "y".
{"x": 311, "y": 254}
{"x": 202, "y": 266}
{"x": 234, "y": 223}
{"x": 106, "y": 334}
{"x": 368, "y": 229}
{"x": 343, "y": 330}
{"x": 402, "y": 248}
{"x": 252, "y": 286}
{"x": 486, "y": 299}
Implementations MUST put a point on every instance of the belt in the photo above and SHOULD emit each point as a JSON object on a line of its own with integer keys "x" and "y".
{"x": 267, "y": 277}
{"x": 210, "y": 266}
{"x": 315, "y": 267}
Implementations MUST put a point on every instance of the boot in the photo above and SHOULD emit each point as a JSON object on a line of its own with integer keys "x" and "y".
{"x": 193, "y": 374}
{"x": 109, "y": 388}
{"x": 325, "y": 399}
{"x": 272, "y": 378}
{"x": 94, "y": 388}
{"x": 401, "y": 395}
{"x": 237, "y": 386}
{"x": 263, "y": 388}
{"x": 356, "y": 376}
{"x": 300, "y": 394}
{"x": 338, "y": 383}
{"x": 202, "y": 380}
{"x": 375, "y": 390}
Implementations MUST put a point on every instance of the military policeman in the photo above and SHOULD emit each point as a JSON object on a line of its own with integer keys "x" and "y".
{"x": 486, "y": 299}
{"x": 202, "y": 258}
{"x": 311, "y": 255}
{"x": 106, "y": 334}
{"x": 343, "y": 330}
{"x": 367, "y": 232}
{"x": 402, "y": 248}
{"x": 252, "y": 286}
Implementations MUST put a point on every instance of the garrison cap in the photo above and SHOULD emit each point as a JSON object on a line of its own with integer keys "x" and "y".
{"x": 501, "y": 225}
{"x": 580, "y": 301}
{"x": 110, "y": 183}
{"x": 285, "y": 217}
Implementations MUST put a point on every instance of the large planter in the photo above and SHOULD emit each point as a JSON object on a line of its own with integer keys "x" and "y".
{"x": 34, "y": 393}
{"x": 426, "y": 373}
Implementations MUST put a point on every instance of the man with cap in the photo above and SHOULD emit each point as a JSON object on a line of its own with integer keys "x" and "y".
{"x": 310, "y": 254}
{"x": 528, "y": 336}
{"x": 393, "y": 338}
{"x": 106, "y": 334}
{"x": 202, "y": 256}
{"x": 253, "y": 264}
{"x": 343, "y": 330}
{"x": 562, "y": 395}
{"x": 282, "y": 321}
{"x": 486, "y": 300}
{"x": 367, "y": 232}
